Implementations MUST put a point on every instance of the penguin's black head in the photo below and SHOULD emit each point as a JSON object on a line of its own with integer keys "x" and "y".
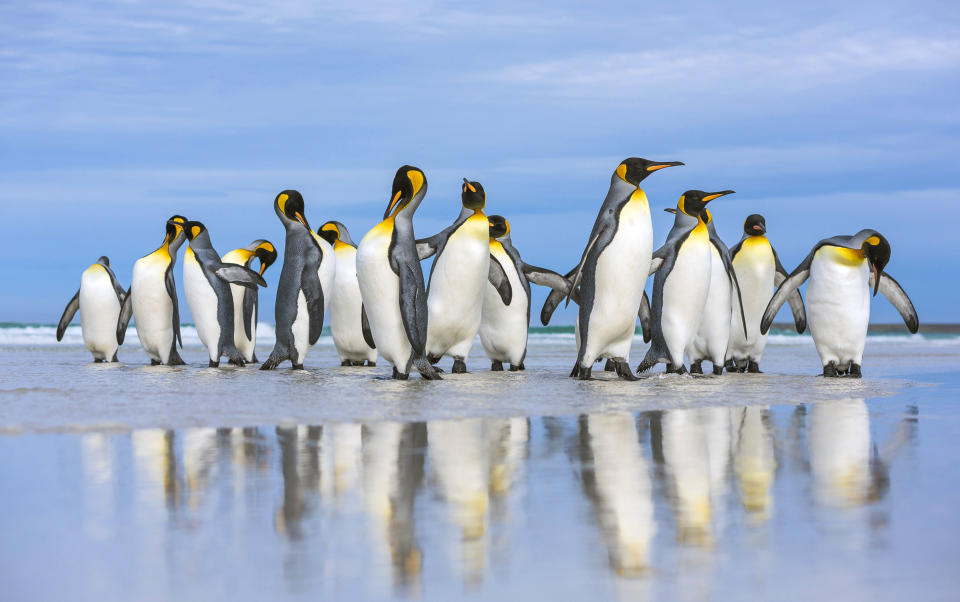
{"x": 266, "y": 253}
{"x": 193, "y": 229}
{"x": 473, "y": 195}
{"x": 634, "y": 170}
{"x": 877, "y": 251}
{"x": 694, "y": 202}
{"x": 104, "y": 261}
{"x": 409, "y": 184}
{"x": 289, "y": 206}
{"x": 175, "y": 227}
{"x": 755, "y": 225}
{"x": 499, "y": 226}
{"x": 329, "y": 232}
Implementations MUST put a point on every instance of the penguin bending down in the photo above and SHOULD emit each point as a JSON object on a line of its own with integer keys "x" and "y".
{"x": 348, "y": 320}
{"x": 842, "y": 270}
{"x": 458, "y": 278}
{"x": 681, "y": 285}
{"x": 99, "y": 300}
{"x": 612, "y": 272}
{"x": 152, "y": 300}
{"x": 298, "y": 312}
{"x": 206, "y": 281}
{"x": 758, "y": 271}
{"x": 713, "y": 336}
{"x": 391, "y": 281}
{"x": 245, "y": 300}
{"x": 504, "y": 323}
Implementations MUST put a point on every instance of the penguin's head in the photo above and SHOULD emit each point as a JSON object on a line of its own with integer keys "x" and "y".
{"x": 409, "y": 186}
{"x": 333, "y": 231}
{"x": 193, "y": 229}
{"x": 876, "y": 249}
{"x": 289, "y": 207}
{"x": 499, "y": 226}
{"x": 265, "y": 252}
{"x": 473, "y": 195}
{"x": 694, "y": 202}
{"x": 175, "y": 228}
{"x": 634, "y": 170}
{"x": 104, "y": 261}
{"x": 755, "y": 225}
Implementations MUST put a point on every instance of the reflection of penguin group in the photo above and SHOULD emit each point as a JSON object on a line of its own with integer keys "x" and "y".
{"x": 708, "y": 302}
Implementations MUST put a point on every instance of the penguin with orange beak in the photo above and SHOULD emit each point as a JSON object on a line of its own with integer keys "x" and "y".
{"x": 245, "y": 300}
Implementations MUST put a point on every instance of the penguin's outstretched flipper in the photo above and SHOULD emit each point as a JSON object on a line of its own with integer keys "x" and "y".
{"x": 789, "y": 286}
{"x": 555, "y": 297}
{"x": 897, "y": 297}
{"x": 545, "y": 277}
{"x": 126, "y": 312}
{"x": 498, "y": 278}
{"x": 68, "y": 312}
{"x": 795, "y": 300}
{"x": 240, "y": 275}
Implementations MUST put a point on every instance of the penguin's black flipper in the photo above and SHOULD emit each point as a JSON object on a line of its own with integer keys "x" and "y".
{"x": 555, "y": 297}
{"x": 237, "y": 274}
{"x": 645, "y": 317}
{"x": 789, "y": 286}
{"x": 795, "y": 300}
{"x": 545, "y": 277}
{"x": 598, "y": 233}
{"x": 412, "y": 307}
{"x": 498, "y": 278}
{"x": 365, "y": 328}
{"x": 172, "y": 292}
{"x": 126, "y": 312}
{"x": 897, "y": 297}
{"x": 68, "y": 312}
{"x": 426, "y": 247}
{"x": 249, "y": 310}
{"x": 313, "y": 293}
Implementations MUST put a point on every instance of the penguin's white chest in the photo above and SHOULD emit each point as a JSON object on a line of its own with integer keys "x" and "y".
{"x": 99, "y": 311}
{"x": 380, "y": 291}
{"x": 685, "y": 291}
{"x": 327, "y": 269}
{"x": 345, "y": 308}
{"x": 755, "y": 267}
{"x": 203, "y": 303}
{"x": 503, "y": 328}
{"x": 714, "y": 332}
{"x": 838, "y": 304}
{"x": 152, "y": 306}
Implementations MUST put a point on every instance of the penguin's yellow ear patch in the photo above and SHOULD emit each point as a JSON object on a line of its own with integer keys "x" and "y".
{"x": 282, "y": 201}
{"x": 194, "y": 231}
{"x": 416, "y": 178}
{"x": 873, "y": 241}
{"x": 622, "y": 172}
{"x": 267, "y": 247}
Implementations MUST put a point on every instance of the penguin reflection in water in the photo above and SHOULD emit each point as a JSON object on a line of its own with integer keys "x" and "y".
{"x": 681, "y": 285}
{"x": 842, "y": 270}
{"x": 99, "y": 301}
{"x": 245, "y": 299}
{"x": 206, "y": 283}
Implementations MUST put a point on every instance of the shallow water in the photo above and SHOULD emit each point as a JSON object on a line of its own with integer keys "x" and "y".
{"x": 131, "y": 482}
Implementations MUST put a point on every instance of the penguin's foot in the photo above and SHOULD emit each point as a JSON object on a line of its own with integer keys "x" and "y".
{"x": 254, "y": 360}
{"x": 622, "y": 368}
{"x": 356, "y": 363}
{"x": 576, "y": 370}
{"x": 522, "y": 367}
{"x": 213, "y": 364}
{"x": 154, "y": 362}
{"x": 433, "y": 359}
{"x": 371, "y": 363}
{"x": 830, "y": 370}
{"x": 515, "y": 368}
{"x": 855, "y": 371}
{"x": 114, "y": 359}
{"x": 753, "y": 367}
{"x": 681, "y": 369}
{"x": 644, "y": 366}
{"x": 97, "y": 360}
{"x": 696, "y": 367}
{"x": 272, "y": 362}
{"x": 427, "y": 371}
{"x": 459, "y": 366}
{"x": 237, "y": 361}
{"x": 610, "y": 366}
{"x": 585, "y": 373}
{"x": 345, "y": 363}
{"x": 717, "y": 369}
{"x": 496, "y": 366}
{"x": 397, "y": 375}
{"x": 296, "y": 367}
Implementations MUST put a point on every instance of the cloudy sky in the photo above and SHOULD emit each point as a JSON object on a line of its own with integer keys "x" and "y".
{"x": 825, "y": 118}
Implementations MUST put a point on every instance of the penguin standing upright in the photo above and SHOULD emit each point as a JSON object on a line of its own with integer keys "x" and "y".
{"x": 152, "y": 299}
{"x": 391, "y": 281}
{"x": 206, "y": 281}
{"x": 457, "y": 279}
{"x": 758, "y": 271}
{"x": 245, "y": 299}
{"x": 99, "y": 300}
{"x": 298, "y": 312}
{"x": 681, "y": 285}
{"x": 842, "y": 270}
{"x": 608, "y": 282}
{"x": 504, "y": 322}
{"x": 348, "y": 320}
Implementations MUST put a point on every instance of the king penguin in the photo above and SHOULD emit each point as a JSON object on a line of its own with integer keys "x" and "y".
{"x": 348, "y": 319}
{"x": 681, "y": 285}
{"x": 842, "y": 270}
{"x": 506, "y": 318}
{"x": 758, "y": 271}
{"x": 613, "y": 269}
{"x": 245, "y": 299}
{"x": 457, "y": 279}
{"x": 99, "y": 300}
{"x": 298, "y": 312}
{"x": 206, "y": 281}
{"x": 152, "y": 300}
{"x": 391, "y": 281}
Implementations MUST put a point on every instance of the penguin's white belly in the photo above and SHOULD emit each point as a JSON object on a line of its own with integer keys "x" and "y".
{"x": 380, "y": 291}
{"x": 301, "y": 329}
{"x": 245, "y": 345}
{"x": 152, "y": 307}
{"x": 685, "y": 293}
{"x": 838, "y": 306}
{"x": 619, "y": 277}
{"x": 327, "y": 270}
{"x": 99, "y": 312}
{"x": 457, "y": 283}
{"x": 203, "y": 305}
{"x": 714, "y": 332}
{"x": 756, "y": 269}
{"x": 503, "y": 328}
{"x": 345, "y": 309}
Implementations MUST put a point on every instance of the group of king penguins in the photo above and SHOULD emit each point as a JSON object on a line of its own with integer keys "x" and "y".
{"x": 709, "y": 302}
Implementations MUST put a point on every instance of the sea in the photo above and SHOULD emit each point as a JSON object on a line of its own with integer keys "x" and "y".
{"x": 129, "y": 482}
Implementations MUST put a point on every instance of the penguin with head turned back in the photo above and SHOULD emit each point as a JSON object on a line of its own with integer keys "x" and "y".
{"x": 613, "y": 269}
{"x": 391, "y": 281}
{"x": 99, "y": 301}
{"x": 842, "y": 270}
{"x": 758, "y": 271}
{"x": 152, "y": 299}
{"x": 681, "y": 285}
{"x": 298, "y": 312}
{"x": 245, "y": 299}
{"x": 206, "y": 283}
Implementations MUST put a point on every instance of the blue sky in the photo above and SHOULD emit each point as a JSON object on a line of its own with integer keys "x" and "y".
{"x": 825, "y": 118}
